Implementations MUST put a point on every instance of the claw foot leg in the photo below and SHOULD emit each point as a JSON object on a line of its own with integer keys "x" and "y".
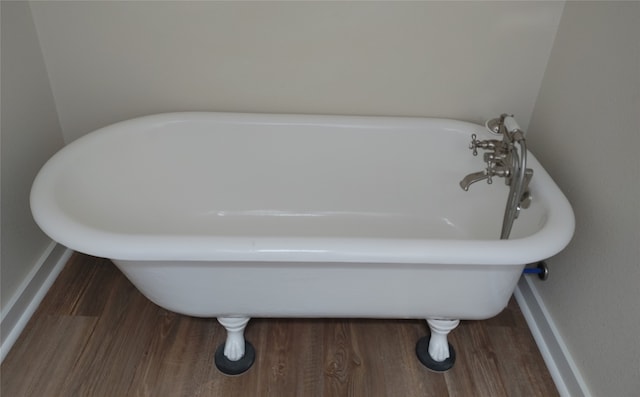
{"x": 236, "y": 355}
{"x": 434, "y": 351}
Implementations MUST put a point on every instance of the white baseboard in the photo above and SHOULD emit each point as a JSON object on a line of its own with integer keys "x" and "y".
{"x": 554, "y": 351}
{"x": 31, "y": 292}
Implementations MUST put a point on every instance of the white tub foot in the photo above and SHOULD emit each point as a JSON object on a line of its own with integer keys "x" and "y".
{"x": 236, "y": 355}
{"x": 434, "y": 351}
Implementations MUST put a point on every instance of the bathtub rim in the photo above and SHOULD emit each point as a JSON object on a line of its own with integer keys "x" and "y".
{"x": 553, "y": 235}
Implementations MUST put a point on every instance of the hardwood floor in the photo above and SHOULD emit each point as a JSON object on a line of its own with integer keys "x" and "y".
{"x": 96, "y": 335}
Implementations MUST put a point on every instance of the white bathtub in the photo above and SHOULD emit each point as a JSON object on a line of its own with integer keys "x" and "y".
{"x": 247, "y": 215}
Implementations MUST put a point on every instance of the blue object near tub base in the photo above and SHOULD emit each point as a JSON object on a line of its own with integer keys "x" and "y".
{"x": 541, "y": 269}
{"x": 229, "y": 367}
{"x": 422, "y": 351}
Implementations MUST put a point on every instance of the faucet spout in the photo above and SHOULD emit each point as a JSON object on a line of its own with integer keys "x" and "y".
{"x": 473, "y": 178}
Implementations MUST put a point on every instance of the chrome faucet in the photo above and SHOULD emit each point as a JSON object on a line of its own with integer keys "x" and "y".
{"x": 496, "y": 161}
{"x": 503, "y": 159}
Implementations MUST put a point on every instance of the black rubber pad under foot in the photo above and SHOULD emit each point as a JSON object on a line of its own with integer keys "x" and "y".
{"x": 422, "y": 351}
{"x": 229, "y": 367}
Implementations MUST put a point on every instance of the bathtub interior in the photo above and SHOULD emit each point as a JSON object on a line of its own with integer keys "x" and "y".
{"x": 225, "y": 178}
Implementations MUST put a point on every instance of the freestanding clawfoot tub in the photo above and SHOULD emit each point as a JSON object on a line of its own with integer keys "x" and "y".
{"x": 249, "y": 215}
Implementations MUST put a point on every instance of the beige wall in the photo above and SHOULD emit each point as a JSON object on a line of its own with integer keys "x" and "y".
{"x": 109, "y": 61}
{"x": 586, "y": 131}
{"x": 30, "y": 135}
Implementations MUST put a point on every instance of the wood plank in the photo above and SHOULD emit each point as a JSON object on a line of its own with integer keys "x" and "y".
{"x": 45, "y": 355}
{"x": 95, "y": 334}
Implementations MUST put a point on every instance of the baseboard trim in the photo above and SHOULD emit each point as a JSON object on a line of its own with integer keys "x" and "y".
{"x": 554, "y": 351}
{"x": 31, "y": 292}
